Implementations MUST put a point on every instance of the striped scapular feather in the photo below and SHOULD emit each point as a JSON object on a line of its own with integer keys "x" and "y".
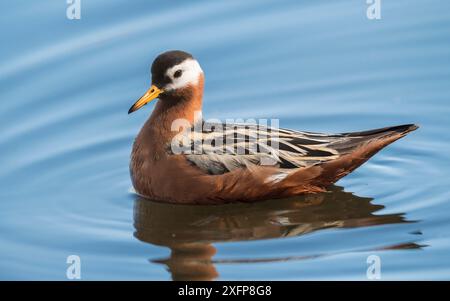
{"x": 217, "y": 148}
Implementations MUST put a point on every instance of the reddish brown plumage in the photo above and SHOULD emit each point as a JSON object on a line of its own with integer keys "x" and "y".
{"x": 158, "y": 175}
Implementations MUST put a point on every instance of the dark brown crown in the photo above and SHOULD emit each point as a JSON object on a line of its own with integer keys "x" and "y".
{"x": 165, "y": 61}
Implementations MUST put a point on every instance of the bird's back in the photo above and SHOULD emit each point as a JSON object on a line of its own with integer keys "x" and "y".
{"x": 222, "y": 148}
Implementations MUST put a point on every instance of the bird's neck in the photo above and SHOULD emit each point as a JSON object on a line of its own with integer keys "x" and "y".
{"x": 171, "y": 116}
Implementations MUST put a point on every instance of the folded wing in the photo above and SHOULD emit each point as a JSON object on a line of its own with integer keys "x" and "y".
{"x": 217, "y": 148}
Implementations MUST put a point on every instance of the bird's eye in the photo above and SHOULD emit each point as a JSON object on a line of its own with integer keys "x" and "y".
{"x": 177, "y": 73}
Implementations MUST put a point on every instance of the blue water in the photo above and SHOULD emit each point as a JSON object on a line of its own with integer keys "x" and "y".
{"x": 66, "y": 86}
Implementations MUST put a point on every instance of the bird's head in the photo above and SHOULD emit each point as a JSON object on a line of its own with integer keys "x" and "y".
{"x": 175, "y": 76}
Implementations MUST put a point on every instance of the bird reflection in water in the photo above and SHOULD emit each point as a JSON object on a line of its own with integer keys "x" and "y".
{"x": 190, "y": 231}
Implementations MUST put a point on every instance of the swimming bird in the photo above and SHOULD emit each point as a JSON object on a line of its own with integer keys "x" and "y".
{"x": 178, "y": 157}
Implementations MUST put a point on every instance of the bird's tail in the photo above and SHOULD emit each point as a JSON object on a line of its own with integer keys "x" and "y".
{"x": 361, "y": 147}
{"x": 387, "y": 131}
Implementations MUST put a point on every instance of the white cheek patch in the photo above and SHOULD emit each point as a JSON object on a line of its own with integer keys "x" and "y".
{"x": 190, "y": 72}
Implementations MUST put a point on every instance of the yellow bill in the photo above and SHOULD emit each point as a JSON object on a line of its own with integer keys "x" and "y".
{"x": 151, "y": 94}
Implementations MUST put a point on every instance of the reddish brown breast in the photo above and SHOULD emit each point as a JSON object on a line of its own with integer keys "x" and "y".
{"x": 149, "y": 154}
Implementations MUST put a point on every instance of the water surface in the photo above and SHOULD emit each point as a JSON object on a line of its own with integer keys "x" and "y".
{"x": 66, "y": 86}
